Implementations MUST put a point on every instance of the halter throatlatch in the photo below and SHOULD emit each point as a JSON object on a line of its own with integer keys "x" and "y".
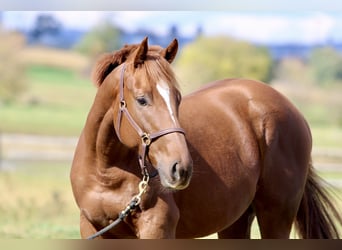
{"x": 146, "y": 138}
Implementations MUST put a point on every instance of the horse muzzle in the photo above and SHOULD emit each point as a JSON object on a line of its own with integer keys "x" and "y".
{"x": 177, "y": 176}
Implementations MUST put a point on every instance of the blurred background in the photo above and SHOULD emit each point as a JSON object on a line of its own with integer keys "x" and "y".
{"x": 45, "y": 90}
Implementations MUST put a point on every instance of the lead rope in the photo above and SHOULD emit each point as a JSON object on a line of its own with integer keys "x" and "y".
{"x": 132, "y": 205}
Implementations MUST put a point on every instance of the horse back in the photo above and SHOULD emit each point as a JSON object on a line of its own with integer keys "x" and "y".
{"x": 240, "y": 105}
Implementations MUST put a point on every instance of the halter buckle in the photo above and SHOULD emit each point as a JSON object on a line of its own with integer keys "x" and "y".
{"x": 146, "y": 139}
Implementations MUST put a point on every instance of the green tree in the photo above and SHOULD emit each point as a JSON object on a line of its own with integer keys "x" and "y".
{"x": 213, "y": 58}
{"x": 326, "y": 65}
{"x": 12, "y": 69}
{"x": 104, "y": 37}
{"x": 292, "y": 70}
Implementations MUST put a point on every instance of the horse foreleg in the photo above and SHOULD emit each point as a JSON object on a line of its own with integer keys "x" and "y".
{"x": 86, "y": 227}
{"x": 160, "y": 221}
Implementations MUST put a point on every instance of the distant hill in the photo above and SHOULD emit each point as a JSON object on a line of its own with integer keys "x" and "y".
{"x": 279, "y": 51}
{"x": 62, "y": 39}
{"x": 68, "y": 38}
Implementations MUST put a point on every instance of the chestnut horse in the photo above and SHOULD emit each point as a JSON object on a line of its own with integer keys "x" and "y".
{"x": 249, "y": 147}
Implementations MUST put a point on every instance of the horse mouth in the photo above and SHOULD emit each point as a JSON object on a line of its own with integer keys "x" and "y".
{"x": 172, "y": 186}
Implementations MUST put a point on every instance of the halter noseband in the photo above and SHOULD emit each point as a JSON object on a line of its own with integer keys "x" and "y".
{"x": 146, "y": 138}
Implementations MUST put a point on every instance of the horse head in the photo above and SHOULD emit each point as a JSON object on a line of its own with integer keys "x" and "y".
{"x": 145, "y": 108}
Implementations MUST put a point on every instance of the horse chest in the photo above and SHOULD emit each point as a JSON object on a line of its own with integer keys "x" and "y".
{"x": 102, "y": 205}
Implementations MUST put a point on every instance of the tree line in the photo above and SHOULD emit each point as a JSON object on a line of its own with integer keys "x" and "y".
{"x": 203, "y": 60}
{"x": 210, "y": 58}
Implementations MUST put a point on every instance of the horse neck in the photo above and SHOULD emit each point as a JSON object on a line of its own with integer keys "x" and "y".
{"x": 103, "y": 143}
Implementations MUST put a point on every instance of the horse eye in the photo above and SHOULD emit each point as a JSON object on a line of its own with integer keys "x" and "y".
{"x": 142, "y": 101}
{"x": 178, "y": 97}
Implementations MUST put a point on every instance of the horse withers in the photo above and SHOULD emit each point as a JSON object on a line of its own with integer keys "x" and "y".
{"x": 214, "y": 160}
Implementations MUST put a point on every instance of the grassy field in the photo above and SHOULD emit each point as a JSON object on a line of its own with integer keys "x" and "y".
{"x": 37, "y": 202}
{"x": 57, "y": 103}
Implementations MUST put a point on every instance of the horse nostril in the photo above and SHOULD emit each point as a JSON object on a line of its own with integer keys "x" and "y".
{"x": 174, "y": 172}
{"x": 177, "y": 172}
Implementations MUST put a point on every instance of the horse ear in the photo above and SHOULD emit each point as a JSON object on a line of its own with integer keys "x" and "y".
{"x": 169, "y": 53}
{"x": 141, "y": 53}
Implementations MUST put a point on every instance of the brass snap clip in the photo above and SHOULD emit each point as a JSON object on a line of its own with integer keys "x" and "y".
{"x": 142, "y": 189}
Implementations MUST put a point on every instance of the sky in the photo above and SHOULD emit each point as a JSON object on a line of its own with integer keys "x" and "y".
{"x": 306, "y": 27}
{"x": 254, "y": 5}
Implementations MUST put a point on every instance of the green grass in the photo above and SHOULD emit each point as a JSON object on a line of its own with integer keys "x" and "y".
{"x": 332, "y": 175}
{"x": 52, "y": 75}
{"x": 57, "y": 102}
{"x": 37, "y": 202}
{"x": 327, "y": 136}
{"x": 42, "y": 119}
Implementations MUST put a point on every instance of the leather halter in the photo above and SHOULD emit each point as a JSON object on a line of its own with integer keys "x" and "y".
{"x": 146, "y": 138}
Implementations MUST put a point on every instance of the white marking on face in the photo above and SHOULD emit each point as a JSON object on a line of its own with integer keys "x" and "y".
{"x": 164, "y": 91}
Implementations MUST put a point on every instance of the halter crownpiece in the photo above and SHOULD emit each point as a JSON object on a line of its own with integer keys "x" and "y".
{"x": 146, "y": 138}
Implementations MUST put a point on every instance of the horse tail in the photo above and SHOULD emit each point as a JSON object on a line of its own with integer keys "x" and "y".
{"x": 317, "y": 216}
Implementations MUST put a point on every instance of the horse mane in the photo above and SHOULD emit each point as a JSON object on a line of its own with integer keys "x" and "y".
{"x": 109, "y": 61}
{"x": 154, "y": 68}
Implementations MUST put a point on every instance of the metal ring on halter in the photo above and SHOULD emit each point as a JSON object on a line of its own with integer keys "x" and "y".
{"x": 146, "y": 139}
{"x": 123, "y": 104}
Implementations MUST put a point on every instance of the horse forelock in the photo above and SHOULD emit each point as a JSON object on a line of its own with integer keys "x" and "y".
{"x": 156, "y": 69}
